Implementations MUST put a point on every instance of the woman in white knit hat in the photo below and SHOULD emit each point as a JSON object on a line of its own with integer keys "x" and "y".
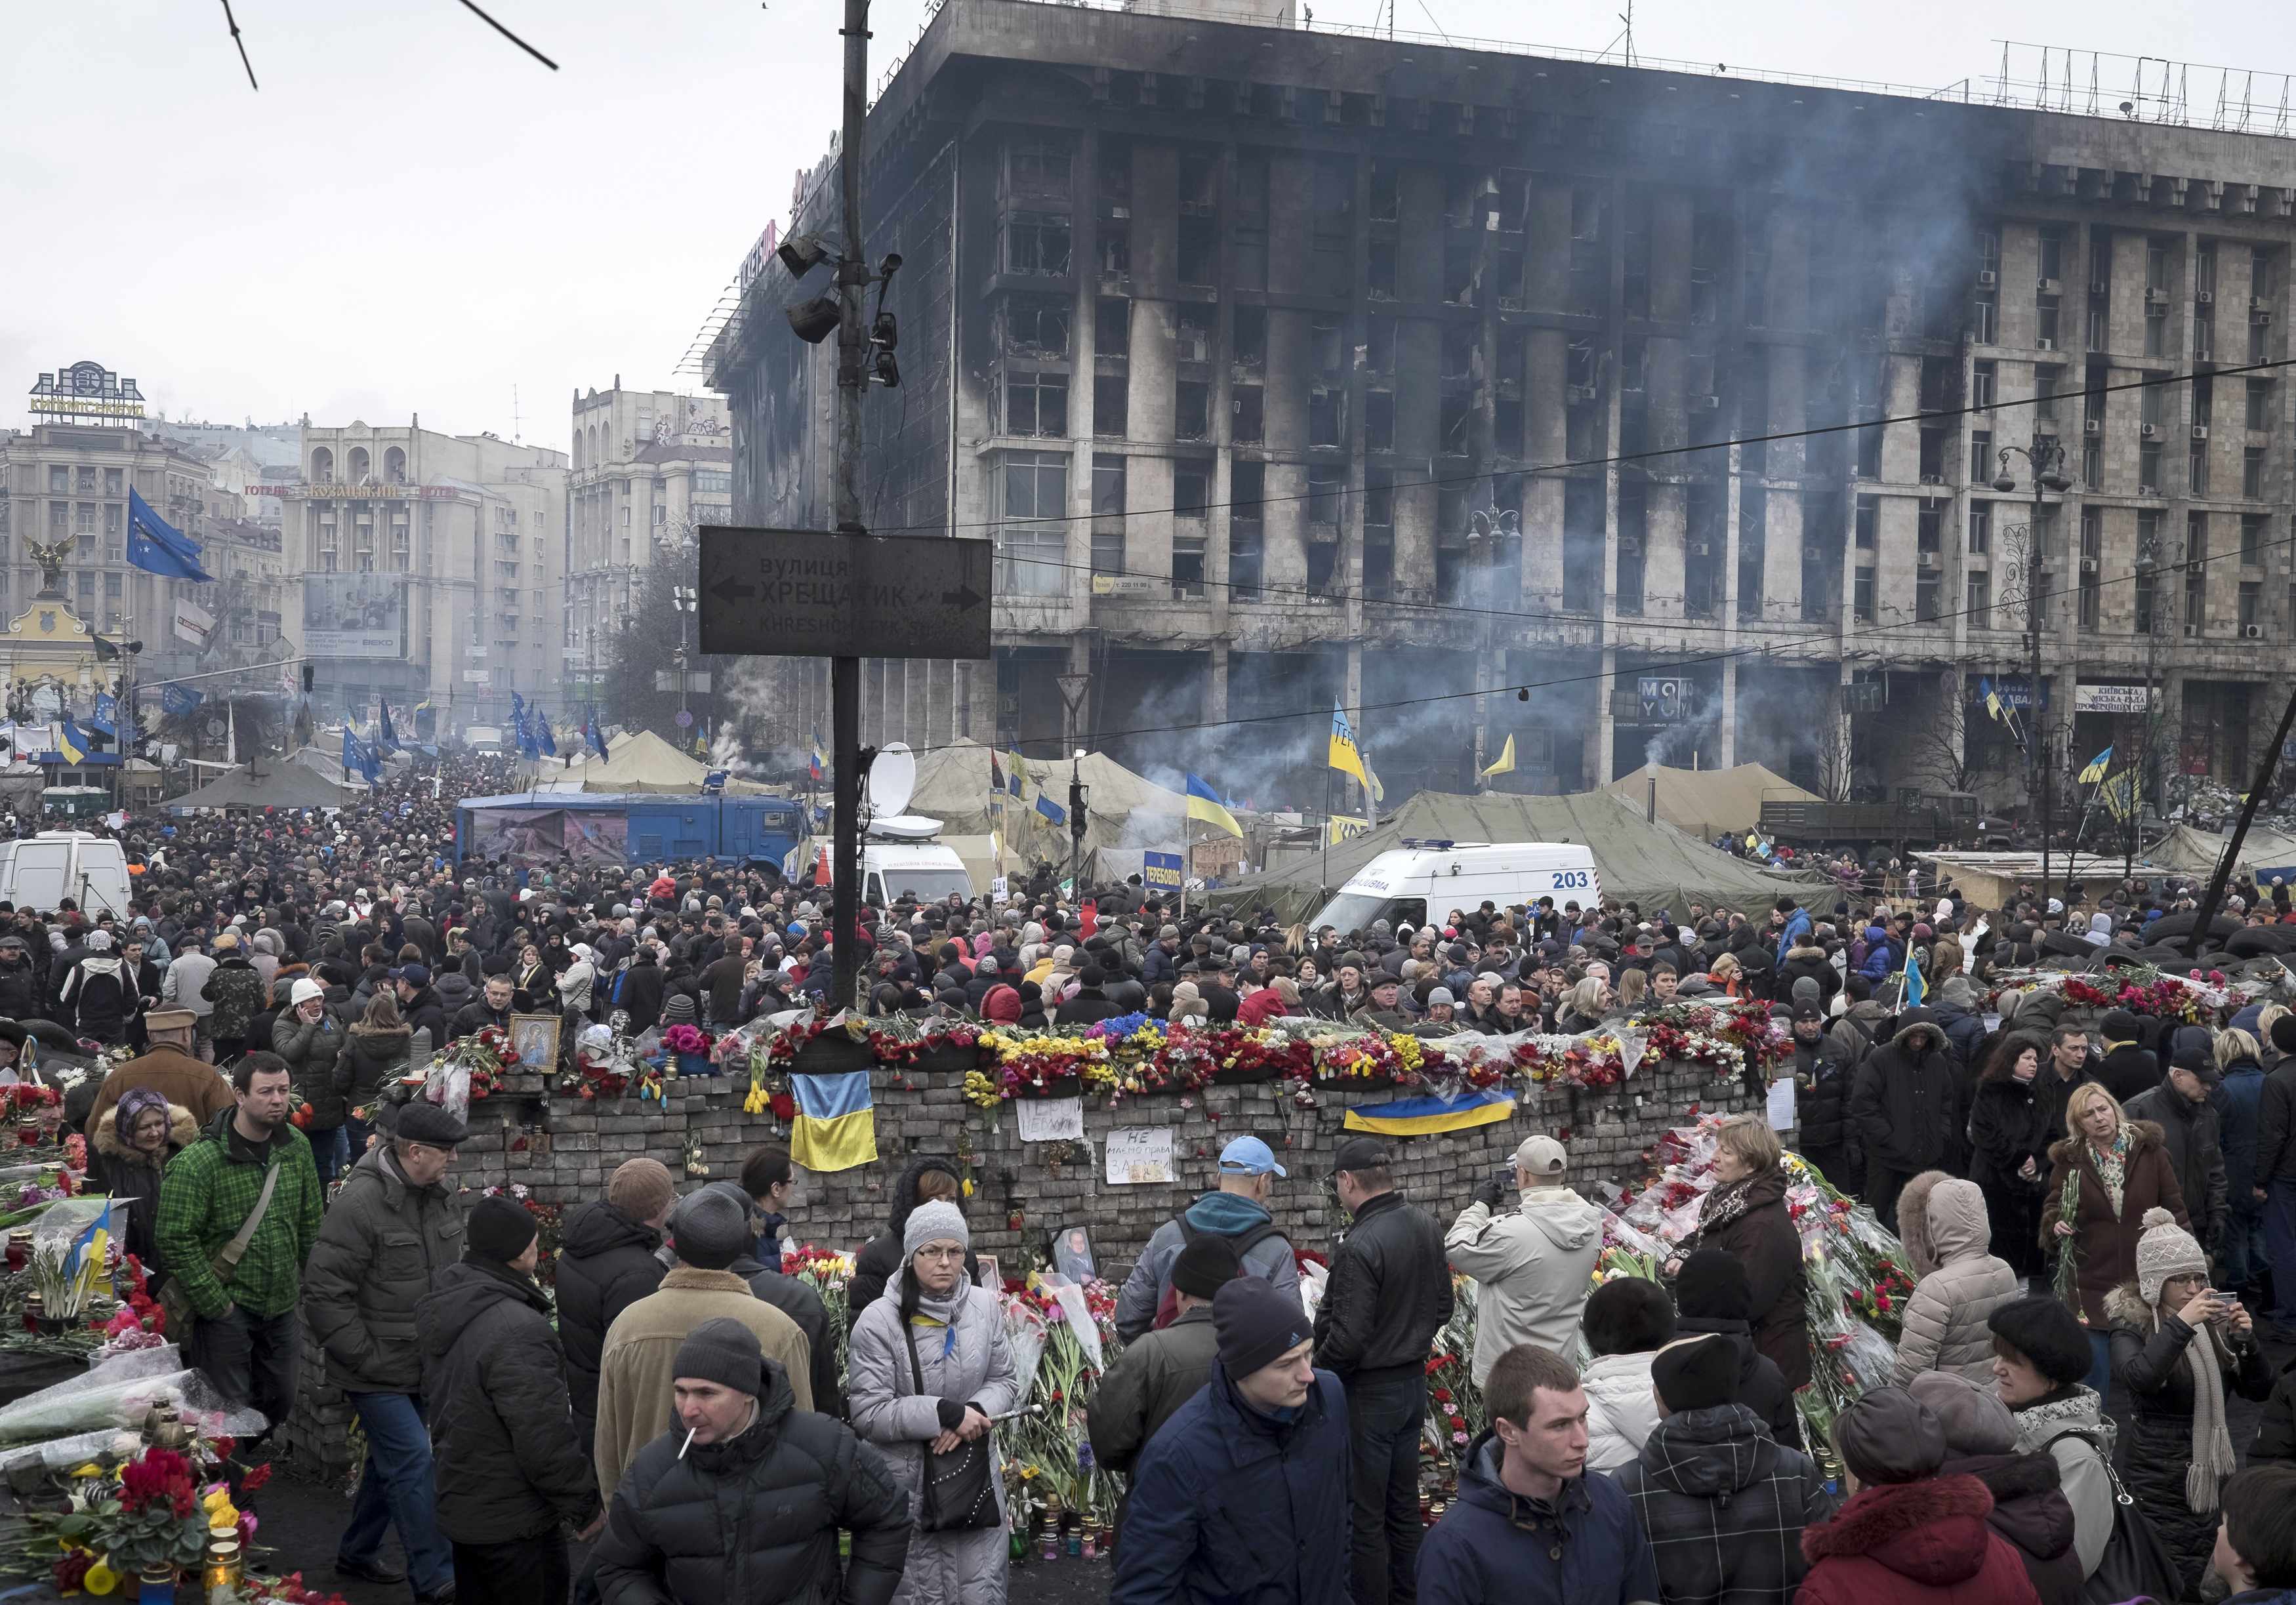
{"x": 2177, "y": 1344}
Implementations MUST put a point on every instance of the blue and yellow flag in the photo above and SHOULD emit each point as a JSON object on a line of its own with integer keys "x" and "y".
{"x": 836, "y": 1126}
{"x": 1052, "y": 810}
{"x": 1205, "y": 804}
{"x": 1916, "y": 988}
{"x": 71, "y": 741}
{"x": 1019, "y": 776}
{"x": 1992, "y": 700}
{"x": 1420, "y": 1116}
{"x": 1344, "y": 756}
{"x": 2096, "y": 767}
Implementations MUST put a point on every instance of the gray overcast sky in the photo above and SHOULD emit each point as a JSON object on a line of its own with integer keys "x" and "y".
{"x": 413, "y": 217}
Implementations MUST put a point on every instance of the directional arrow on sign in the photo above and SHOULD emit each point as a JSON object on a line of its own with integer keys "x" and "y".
{"x": 725, "y": 590}
{"x": 963, "y": 597}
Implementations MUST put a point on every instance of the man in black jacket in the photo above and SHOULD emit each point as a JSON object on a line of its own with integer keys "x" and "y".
{"x": 2275, "y": 1173}
{"x": 1905, "y": 1102}
{"x": 511, "y": 1473}
{"x": 742, "y": 1443}
{"x": 606, "y": 1263}
{"x": 2129, "y": 1070}
{"x": 1388, "y": 1295}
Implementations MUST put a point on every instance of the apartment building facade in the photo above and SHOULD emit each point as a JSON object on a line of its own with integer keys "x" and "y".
{"x": 649, "y": 468}
{"x": 432, "y": 568}
{"x": 1287, "y": 367}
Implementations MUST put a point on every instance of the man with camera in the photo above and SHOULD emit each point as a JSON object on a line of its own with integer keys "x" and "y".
{"x": 1536, "y": 1264}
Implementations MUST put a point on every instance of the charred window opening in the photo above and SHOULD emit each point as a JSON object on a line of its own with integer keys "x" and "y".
{"x": 1705, "y": 537}
{"x": 1036, "y": 404}
{"x": 1194, "y": 343}
{"x": 1245, "y": 547}
{"x": 1379, "y": 268}
{"x": 1582, "y": 545}
{"x": 1198, "y": 251}
{"x": 1325, "y": 411}
{"x": 1251, "y": 338}
{"x": 1036, "y": 326}
{"x": 1036, "y": 167}
{"x": 1191, "y": 506}
{"x": 1111, "y": 329}
{"x": 1753, "y": 521}
{"x": 1191, "y": 410}
{"x": 1634, "y": 537}
{"x": 1111, "y": 406}
{"x": 1247, "y": 402}
{"x": 1037, "y": 243}
{"x": 1386, "y": 205}
{"x": 1378, "y": 421}
{"x": 1379, "y": 534}
{"x": 1115, "y": 249}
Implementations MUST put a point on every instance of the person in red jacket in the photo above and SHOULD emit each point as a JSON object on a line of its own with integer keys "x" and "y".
{"x": 1907, "y": 1535}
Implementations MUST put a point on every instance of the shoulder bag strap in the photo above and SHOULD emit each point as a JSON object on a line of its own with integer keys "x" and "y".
{"x": 227, "y": 1257}
{"x": 2121, "y": 1496}
{"x": 916, "y": 1372}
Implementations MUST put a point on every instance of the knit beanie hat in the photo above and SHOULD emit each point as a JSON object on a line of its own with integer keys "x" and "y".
{"x": 641, "y": 1188}
{"x": 932, "y": 1222}
{"x": 1257, "y": 1323}
{"x": 1806, "y": 992}
{"x": 1713, "y": 1286}
{"x": 2283, "y": 1033}
{"x": 1696, "y": 1373}
{"x": 1205, "y": 1266}
{"x": 498, "y": 1229}
{"x": 2166, "y": 1249}
{"x": 724, "y": 1351}
{"x": 679, "y": 1011}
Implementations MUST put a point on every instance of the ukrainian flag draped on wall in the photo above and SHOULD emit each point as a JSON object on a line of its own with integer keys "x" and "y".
{"x": 1418, "y": 1117}
{"x": 836, "y": 1124}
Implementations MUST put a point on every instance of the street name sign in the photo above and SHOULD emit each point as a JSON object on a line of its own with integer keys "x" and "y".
{"x": 809, "y": 594}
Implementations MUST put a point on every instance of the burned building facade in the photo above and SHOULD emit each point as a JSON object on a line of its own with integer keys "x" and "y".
{"x": 1287, "y": 367}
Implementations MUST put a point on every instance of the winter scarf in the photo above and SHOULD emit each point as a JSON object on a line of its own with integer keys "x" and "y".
{"x": 2213, "y": 1455}
{"x": 2112, "y": 1168}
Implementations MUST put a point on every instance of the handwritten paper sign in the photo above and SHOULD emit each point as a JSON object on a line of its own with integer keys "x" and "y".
{"x": 1782, "y": 1103}
{"x": 1140, "y": 1154}
{"x": 1050, "y": 1120}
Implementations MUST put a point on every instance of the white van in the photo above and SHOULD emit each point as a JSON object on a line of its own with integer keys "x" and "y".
{"x": 40, "y": 871}
{"x": 902, "y": 852}
{"x": 1427, "y": 879}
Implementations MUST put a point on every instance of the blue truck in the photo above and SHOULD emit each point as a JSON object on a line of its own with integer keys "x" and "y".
{"x": 542, "y": 828}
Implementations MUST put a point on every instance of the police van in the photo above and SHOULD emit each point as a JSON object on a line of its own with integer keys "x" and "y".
{"x": 1422, "y": 880}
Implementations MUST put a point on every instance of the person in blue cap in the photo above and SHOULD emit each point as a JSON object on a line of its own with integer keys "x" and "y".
{"x": 1237, "y": 1211}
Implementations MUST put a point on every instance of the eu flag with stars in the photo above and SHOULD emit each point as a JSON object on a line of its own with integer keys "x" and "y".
{"x": 158, "y": 547}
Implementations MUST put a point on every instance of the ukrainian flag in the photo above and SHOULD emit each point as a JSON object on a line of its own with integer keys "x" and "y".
{"x": 1344, "y": 756}
{"x": 1421, "y": 1117}
{"x": 1992, "y": 699}
{"x": 1205, "y": 804}
{"x": 1052, "y": 810}
{"x": 2096, "y": 768}
{"x": 836, "y": 1126}
{"x": 73, "y": 745}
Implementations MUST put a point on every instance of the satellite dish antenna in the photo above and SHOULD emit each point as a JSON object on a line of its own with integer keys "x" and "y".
{"x": 892, "y": 780}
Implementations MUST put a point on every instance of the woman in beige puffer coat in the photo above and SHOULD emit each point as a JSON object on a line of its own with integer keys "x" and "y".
{"x": 1959, "y": 1284}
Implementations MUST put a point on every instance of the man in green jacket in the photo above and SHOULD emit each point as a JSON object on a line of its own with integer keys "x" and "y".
{"x": 395, "y": 1226}
{"x": 1162, "y": 1370}
{"x": 247, "y": 1338}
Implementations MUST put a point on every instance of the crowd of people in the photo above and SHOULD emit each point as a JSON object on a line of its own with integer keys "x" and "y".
{"x": 2101, "y": 1216}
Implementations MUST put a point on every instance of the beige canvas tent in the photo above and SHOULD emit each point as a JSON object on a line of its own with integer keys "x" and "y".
{"x": 2195, "y": 852}
{"x": 1654, "y": 864}
{"x": 635, "y": 761}
{"x": 1128, "y": 814}
{"x": 1708, "y": 802}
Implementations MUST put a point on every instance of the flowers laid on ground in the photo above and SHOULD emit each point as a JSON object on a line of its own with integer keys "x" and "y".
{"x": 2194, "y": 997}
{"x": 1731, "y": 1038}
{"x": 1856, "y": 1285}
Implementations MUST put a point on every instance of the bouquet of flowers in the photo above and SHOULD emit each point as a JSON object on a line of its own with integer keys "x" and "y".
{"x": 2194, "y": 998}
{"x": 485, "y": 1055}
{"x": 1454, "y": 1405}
{"x": 830, "y": 1275}
{"x": 1033, "y": 1065}
{"x": 1593, "y": 1060}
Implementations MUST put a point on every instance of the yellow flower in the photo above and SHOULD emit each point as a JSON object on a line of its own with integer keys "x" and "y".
{"x": 89, "y": 1470}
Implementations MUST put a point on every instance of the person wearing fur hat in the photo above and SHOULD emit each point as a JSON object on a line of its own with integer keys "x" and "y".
{"x": 1906, "y": 1103}
{"x": 1958, "y": 1282}
{"x": 2117, "y": 1169}
{"x": 132, "y": 1145}
{"x": 1909, "y": 1534}
{"x": 1626, "y": 1321}
{"x": 2180, "y": 1347}
{"x": 928, "y": 1367}
{"x": 2040, "y": 1354}
{"x": 2029, "y": 1508}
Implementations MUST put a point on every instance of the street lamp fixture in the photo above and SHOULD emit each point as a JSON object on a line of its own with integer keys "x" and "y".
{"x": 2045, "y": 460}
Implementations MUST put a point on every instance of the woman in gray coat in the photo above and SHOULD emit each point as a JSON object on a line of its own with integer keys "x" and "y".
{"x": 928, "y": 1367}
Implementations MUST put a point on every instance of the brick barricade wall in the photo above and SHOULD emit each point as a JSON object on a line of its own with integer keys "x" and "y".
{"x": 564, "y": 1149}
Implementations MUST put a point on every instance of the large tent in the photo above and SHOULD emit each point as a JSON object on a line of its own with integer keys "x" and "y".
{"x": 635, "y": 761}
{"x": 1654, "y": 864}
{"x": 1707, "y": 803}
{"x": 281, "y": 785}
{"x": 1127, "y": 813}
{"x": 2263, "y": 851}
